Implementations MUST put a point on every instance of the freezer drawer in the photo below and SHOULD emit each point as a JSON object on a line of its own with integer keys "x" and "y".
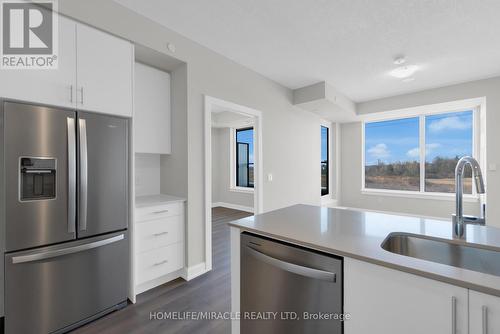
{"x": 278, "y": 277}
{"x": 54, "y": 287}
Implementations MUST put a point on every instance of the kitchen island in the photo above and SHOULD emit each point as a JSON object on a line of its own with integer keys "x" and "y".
{"x": 386, "y": 292}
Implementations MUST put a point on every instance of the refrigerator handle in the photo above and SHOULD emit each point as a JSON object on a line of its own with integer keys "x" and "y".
{"x": 65, "y": 251}
{"x": 82, "y": 222}
{"x": 71, "y": 174}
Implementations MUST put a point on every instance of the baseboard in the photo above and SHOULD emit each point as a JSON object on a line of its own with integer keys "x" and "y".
{"x": 329, "y": 202}
{"x": 194, "y": 271}
{"x": 233, "y": 206}
{"x": 140, "y": 288}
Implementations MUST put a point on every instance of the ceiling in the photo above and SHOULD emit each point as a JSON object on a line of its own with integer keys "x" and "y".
{"x": 350, "y": 44}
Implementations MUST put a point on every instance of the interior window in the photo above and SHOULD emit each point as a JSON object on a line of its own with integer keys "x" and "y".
{"x": 324, "y": 162}
{"x": 418, "y": 153}
{"x": 392, "y": 154}
{"x": 244, "y": 158}
{"x": 448, "y": 137}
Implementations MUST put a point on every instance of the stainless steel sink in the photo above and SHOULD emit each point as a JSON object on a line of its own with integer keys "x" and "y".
{"x": 449, "y": 252}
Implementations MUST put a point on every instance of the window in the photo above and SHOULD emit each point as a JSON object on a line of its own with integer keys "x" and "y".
{"x": 244, "y": 158}
{"x": 418, "y": 153}
{"x": 324, "y": 162}
{"x": 392, "y": 155}
{"x": 448, "y": 137}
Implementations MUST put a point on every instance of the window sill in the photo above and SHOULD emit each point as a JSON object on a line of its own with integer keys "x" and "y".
{"x": 242, "y": 190}
{"x": 417, "y": 194}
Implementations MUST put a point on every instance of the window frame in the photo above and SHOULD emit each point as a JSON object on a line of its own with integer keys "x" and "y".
{"x": 478, "y": 150}
{"x": 328, "y": 156}
{"x": 233, "y": 157}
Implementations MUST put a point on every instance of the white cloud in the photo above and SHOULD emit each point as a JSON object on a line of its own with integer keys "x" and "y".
{"x": 413, "y": 153}
{"x": 429, "y": 148}
{"x": 379, "y": 151}
{"x": 449, "y": 123}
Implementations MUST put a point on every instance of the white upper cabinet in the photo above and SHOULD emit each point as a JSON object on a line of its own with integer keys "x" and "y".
{"x": 484, "y": 313}
{"x": 104, "y": 72}
{"x": 381, "y": 300}
{"x": 151, "y": 110}
{"x": 94, "y": 73}
{"x": 50, "y": 86}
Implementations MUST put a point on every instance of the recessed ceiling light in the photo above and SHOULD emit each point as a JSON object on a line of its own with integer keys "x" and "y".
{"x": 399, "y": 60}
{"x": 404, "y": 71}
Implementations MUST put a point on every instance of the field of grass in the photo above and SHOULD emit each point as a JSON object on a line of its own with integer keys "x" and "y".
{"x": 445, "y": 185}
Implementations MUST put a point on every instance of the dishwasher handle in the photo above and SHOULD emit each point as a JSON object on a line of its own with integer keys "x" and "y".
{"x": 293, "y": 268}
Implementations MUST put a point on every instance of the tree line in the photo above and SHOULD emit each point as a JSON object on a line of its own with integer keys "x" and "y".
{"x": 439, "y": 168}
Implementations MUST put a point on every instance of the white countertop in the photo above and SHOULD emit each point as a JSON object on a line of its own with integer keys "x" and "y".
{"x": 152, "y": 200}
{"x": 359, "y": 235}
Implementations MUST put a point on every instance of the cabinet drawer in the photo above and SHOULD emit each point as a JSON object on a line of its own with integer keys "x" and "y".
{"x": 159, "y": 211}
{"x": 159, "y": 262}
{"x": 159, "y": 232}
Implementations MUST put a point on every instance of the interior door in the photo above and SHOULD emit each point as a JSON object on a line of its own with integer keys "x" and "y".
{"x": 104, "y": 71}
{"x": 103, "y": 174}
{"x": 40, "y": 175}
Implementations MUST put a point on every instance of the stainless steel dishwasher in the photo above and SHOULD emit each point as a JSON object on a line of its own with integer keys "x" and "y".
{"x": 289, "y": 289}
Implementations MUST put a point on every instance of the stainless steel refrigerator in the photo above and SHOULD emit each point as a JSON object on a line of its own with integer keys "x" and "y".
{"x": 65, "y": 198}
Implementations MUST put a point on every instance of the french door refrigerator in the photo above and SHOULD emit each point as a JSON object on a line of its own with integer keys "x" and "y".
{"x": 65, "y": 176}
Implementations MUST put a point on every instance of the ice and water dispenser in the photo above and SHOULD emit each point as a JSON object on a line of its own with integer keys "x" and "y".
{"x": 37, "y": 178}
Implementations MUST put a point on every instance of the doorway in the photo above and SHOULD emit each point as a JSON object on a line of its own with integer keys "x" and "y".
{"x": 237, "y": 130}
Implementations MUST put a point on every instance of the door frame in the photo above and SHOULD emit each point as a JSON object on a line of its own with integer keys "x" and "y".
{"x": 210, "y": 104}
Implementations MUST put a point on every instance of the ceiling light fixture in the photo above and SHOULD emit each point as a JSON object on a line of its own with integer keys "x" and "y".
{"x": 399, "y": 60}
{"x": 404, "y": 71}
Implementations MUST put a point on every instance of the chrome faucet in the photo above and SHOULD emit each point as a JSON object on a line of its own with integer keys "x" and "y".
{"x": 459, "y": 220}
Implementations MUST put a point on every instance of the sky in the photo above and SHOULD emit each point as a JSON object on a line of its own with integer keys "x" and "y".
{"x": 324, "y": 143}
{"x": 246, "y": 136}
{"x": 446, "y": 135}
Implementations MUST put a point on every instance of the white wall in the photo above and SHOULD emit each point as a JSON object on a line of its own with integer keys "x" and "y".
{"x": 351, "y": 152}
{"x": 291, "y": 137}
{"x": 221, "y": 192}
{"x": 147, "y": 174}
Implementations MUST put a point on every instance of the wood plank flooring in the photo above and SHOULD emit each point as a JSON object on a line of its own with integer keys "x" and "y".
{"x": 209, "y": 292}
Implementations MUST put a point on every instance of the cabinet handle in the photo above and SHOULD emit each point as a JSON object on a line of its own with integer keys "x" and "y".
{"x": 71, "y": 93}
{"x": 485, "y": 319}
{"x": 81, "y": 95}
{"x": 453, "y": 315}
{"x": 160, "y": 234}
{"x": 161, "y": 211}
{"x": 160, "y": 263}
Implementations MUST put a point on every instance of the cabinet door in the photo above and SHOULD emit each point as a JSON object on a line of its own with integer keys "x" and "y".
{"x": 484, "y": 313}
{"x": 51, "y": 86}
{"x": 381, "y": 301}
{"x": 104, "y": 71}
{"x": 152, "y": 110}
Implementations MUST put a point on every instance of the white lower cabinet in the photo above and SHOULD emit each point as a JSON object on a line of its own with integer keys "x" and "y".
{"x": 158, "y": 244}
{"x": 484, "y": 313}
{"x": 386, "y": 301}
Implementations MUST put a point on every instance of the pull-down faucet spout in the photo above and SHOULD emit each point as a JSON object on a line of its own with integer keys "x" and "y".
{"x": 459, "y": 220}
